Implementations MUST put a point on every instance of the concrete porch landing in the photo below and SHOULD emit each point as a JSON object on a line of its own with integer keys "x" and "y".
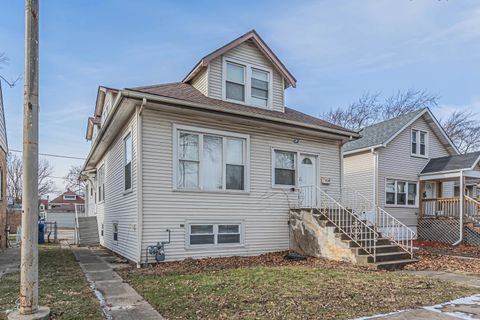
{"x": 118, "y": 299}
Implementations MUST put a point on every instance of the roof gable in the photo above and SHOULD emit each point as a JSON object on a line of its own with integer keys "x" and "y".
{"x": 382, "y": 133}
{"x": 262, "y": 46}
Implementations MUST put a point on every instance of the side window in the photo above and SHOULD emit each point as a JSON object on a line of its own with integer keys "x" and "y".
{"x": 127, "y": 146}
{"x": 101, "y": 183}
{"x": 115, "y": 231}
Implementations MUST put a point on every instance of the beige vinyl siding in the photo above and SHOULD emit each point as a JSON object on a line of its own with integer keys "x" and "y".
{"x": 249, "y": 53}
{"x": 395, "y": 161}
{"x": 120, "y": 206}
{"x": 200, "y": 82}
{"x": 359, "y": 173}
{"x": 263, "y": 211}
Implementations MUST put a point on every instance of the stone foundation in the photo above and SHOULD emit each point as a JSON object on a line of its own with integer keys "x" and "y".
{"x": 312, "y": 237}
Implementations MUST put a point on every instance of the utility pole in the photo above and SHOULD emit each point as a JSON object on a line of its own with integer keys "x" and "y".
{"x": 29, "y": 308}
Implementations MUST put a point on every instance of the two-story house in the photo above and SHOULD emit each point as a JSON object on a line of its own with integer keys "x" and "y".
{"x": 409, "y": 167}
{"x": 211, "y": 164}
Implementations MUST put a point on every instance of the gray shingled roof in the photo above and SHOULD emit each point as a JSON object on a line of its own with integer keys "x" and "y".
{"x": 187, "y": 92}
{"x": 456, "y": 162}
{"x": 381, "y": 132}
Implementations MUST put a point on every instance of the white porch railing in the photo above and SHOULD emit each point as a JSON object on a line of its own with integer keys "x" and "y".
{"x": 363, "y": 210}
{"x": 357, "y": 230}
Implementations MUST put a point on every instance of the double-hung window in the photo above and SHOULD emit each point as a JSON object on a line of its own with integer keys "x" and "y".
{"x": 285, "y": 168}
{"x": 101, "y": 183}
{"x": 401, "y": 193}
{"x": 210, "y": 161}
{"x": 247, "y": 84}
{"x": 260, "y": 81}
{"x": 235, "y": 82}
{"x": 127, "y": 146}
{"x": 419, "y": 143}
{"x": 214, "y": 234}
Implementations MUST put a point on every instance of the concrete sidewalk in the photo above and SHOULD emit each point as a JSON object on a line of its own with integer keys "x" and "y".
{"x": 9, "y": 260}
{"x": 118, "y": 299}
{"x": 463, "y": 308}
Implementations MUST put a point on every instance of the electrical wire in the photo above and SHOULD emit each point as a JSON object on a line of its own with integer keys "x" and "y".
{"x": 52, "y": 155}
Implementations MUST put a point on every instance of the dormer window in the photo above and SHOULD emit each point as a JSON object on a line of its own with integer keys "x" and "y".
{"x": 235, "y": 84}
{"x": 260, "y": 87}
{"x": 248, "y": 84}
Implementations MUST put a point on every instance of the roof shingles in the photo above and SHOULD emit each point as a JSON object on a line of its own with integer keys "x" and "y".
{"x": 452, "y": 163}
{"x": 186, "y": 92}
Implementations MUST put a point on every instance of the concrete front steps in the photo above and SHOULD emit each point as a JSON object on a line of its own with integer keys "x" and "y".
{"x": 388, "y": 256}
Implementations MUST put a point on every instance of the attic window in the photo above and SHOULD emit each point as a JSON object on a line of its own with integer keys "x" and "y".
{"x": 235, "y": 84}
{"x": 419, "y": 143}
{"x": 69, "y": 197}
{"x": 246, "y": 83}
{"x": 260, "y": 87}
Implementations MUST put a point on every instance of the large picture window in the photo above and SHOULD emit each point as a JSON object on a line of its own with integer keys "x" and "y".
{"x": 214, "y": 234}
{"x": 285, "y": 168}
{"x": 401, "y": 193}
{"x": 210, "y": 160}
{"x": 127, "y": 146}
{"x": 419, "y": 143}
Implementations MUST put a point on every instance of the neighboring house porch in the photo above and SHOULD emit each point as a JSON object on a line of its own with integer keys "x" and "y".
{"x": 446, "y": 217}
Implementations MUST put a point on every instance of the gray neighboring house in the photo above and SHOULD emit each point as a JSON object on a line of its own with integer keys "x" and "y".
{"x": 410, "y": 167}
{"x": 213, "y": 162}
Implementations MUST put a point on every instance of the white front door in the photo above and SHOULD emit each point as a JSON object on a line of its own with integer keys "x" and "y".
{"x": 308, "y": 177}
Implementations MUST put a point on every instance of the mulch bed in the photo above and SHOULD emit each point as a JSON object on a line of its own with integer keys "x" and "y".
{"x": 437, "y": 256}
{"x": 274, "y": 259}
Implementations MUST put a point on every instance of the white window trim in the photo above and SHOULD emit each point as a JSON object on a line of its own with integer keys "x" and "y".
{"x": 215, "y": 224}
{"x": 248, "y": 82}
{"x": 129, "y": 190}
{"x": 297, "y": 168}
{"x": 198, "y": 130}
{"x": 414, "y": 206}
{"x": 418, "y": 155}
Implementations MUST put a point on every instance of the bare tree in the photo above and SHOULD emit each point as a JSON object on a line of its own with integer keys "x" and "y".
{"x": 405, "y": 102}
{"x": 3, "y": 61}
{"x": 463, "y": 128}
{"x": 15, "y": 173}
{"x": 369, "y": 110}
{"x": 358, "y": 114}
{"x": 73, "y": 182}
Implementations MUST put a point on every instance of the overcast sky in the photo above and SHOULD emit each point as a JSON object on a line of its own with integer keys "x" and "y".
{"x": 337, "y": 50}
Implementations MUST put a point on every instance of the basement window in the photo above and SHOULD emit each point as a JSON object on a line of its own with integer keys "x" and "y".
{"x": 214, "y": 234}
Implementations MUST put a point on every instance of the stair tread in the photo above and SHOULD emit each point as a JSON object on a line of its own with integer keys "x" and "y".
{"x": 395, "y": 262}
{"x": 391, "y": 253}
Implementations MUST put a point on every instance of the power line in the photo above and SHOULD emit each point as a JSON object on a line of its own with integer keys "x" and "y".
{"x": 52, "y": 155}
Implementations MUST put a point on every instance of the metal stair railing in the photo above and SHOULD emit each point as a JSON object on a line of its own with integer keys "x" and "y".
{"x": 379, "y": 219}
{"x": 366, "y": 237}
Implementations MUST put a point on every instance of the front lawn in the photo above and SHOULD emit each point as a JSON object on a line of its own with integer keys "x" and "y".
{"x": 63, "y": 287}
{"x": 260, "y": 288}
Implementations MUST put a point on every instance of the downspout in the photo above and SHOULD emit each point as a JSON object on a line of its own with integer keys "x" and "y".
{"x": 462, "y": 202}
{"x": 375, "y": 176}
{"x": 140, "y": 181}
